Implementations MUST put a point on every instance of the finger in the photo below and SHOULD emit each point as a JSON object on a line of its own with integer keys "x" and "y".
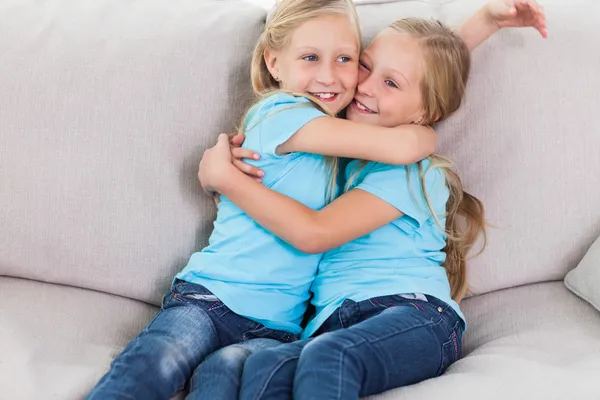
{"x": 223, "y": 139}
{"x": 237, "y": 140}
{"x": 240, "y": 152}
{"x": 259, "y": 180}
{"x": 523, "y": 9}
{"x": 248, "y": 169}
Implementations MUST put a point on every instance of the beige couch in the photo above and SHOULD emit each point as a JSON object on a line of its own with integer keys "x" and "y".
{"x": 106, "y": 105}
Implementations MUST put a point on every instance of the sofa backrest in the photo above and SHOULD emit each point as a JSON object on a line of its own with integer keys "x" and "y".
{"x": 105, "y": 109}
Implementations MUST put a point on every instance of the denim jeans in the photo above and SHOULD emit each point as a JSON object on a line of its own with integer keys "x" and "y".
{"x": 191, "y": 325}
{"x": 220, "y": 375}
{"x": 364, "y": 348}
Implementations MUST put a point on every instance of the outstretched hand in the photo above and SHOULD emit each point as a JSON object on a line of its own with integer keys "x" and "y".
{"x": 518, "y": 14}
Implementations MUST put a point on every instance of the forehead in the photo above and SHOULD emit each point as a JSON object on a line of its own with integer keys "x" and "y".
{"x": 328, "y": 31}
{"x": 398, "y": 51}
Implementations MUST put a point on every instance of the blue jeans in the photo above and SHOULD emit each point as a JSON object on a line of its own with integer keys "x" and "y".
{"x": 220, "y": 375}
{"x": 191, "y": 324}
{"x": 364, "y": 348}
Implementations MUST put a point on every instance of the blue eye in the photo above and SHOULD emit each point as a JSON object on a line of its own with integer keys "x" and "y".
{"x": 344, "y": 59}
{"x": 310, "y": 58}
{"x": 391, "y": 84}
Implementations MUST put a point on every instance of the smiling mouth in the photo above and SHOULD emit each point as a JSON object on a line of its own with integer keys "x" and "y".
{"x": 361, "y": 108}
{"x": 326, "y": 97}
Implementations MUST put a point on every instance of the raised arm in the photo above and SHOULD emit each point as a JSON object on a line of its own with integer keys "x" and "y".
{"x": 502, "y": 14}
{"x": 308, "y": 230}
{"x": 402, "y": 145}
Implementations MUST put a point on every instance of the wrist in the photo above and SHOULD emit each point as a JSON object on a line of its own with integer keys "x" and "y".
{"x": 490, "y": 21}
{"x": 225, "y": 179}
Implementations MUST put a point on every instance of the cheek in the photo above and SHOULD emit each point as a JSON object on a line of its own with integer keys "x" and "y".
{"x": 299, "y": 77}
{"x": 349, "y": 78}
{"x": 394, "y": 111}
{"x": 362, "y": 75}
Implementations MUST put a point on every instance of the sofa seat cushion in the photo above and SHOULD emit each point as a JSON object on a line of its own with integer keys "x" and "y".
{"x": 56, "y": 341}
{"x": 532, "y": 342}
{"x": 537, "y": 341}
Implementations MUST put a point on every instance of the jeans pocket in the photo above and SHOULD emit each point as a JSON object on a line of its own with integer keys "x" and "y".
{"x": 198, "y": 295}
{"x": 451, "y": 349}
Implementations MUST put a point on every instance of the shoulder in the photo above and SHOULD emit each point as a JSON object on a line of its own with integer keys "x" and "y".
{"x": 283, "y": 105}
{"x": 279, "y": 101}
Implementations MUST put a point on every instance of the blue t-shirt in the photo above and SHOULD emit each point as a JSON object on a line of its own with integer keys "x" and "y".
{"x": 253, "y": 272}
{"x": 404, "y": 256}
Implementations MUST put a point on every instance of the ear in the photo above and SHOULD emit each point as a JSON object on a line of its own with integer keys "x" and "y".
{"x": 271, "y": 62}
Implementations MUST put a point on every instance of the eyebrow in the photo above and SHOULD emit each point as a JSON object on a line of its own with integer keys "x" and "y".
{"x": 344, "y": 49}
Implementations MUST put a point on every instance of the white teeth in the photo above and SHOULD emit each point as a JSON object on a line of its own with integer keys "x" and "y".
{"x": 324, "y": 95}
{"x": 362, "y": 107}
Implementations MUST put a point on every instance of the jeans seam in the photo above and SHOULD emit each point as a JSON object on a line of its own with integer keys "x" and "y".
{"x": 340, "y": 319}
{"x": 363, "y": 341}
{"x": 275, "y": 370}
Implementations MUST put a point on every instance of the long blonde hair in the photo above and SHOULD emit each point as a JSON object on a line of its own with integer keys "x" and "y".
{"x": 287, "y": 16}
{"x": 447, "y": 62}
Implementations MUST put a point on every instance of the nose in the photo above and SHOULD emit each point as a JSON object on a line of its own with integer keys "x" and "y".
{"x": 326, "y": 74}
{"x": 366, "y": 85}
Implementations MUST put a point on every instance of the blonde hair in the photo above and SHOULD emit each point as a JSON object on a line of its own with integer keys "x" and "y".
{"x": 287, "y": 16}
{"x": 447, "y": 62}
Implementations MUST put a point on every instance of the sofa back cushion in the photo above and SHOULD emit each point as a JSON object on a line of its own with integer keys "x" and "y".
{"x": 105, "y": 109}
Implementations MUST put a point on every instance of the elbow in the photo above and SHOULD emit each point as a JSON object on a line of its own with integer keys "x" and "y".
{"x": 310, "y": 240}
{"x": 309, "y": 245}
{"x": 424, "y": 145}
{"x": 420, "y": 143}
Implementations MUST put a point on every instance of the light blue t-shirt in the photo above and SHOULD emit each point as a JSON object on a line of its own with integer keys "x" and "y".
{"x": 253, "y": 272}
{"x": 404, "y": 256}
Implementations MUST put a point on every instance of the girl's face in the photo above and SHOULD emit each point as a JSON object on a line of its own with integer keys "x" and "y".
{"x": 321, "y": 59}
{"x": 390, "y": 72}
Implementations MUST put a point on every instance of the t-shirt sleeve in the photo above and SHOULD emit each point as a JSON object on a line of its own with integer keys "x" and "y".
{"x": 401, "y": 187}
{"x": 277, "y": 119}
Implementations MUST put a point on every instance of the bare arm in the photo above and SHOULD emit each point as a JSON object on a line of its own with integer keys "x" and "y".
{"x": 477, "y": 29}
{"x": 402, "y": 145}
{"x": 306, "y": 229}
{"x": 499, "y": 14}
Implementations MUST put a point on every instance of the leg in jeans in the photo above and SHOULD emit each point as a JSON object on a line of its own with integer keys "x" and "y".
{"x": 269, "y": 374}
{"x": 402, "y": 345}
{"x": 220, "y": 375}
{"x": 192, "y": 324}
{"x": 159, "y": 361}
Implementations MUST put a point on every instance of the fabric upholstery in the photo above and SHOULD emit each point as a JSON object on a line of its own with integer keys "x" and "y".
{"x": 584, "y": 280}
{"x": 105, "y": 108}
{"x": 56, "y": 341}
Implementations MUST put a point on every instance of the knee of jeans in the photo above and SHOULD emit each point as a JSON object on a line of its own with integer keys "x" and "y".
{"x": 189, "y": 341}
{"x": 269, "y": 358}
{"x": 229, "y": 357}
